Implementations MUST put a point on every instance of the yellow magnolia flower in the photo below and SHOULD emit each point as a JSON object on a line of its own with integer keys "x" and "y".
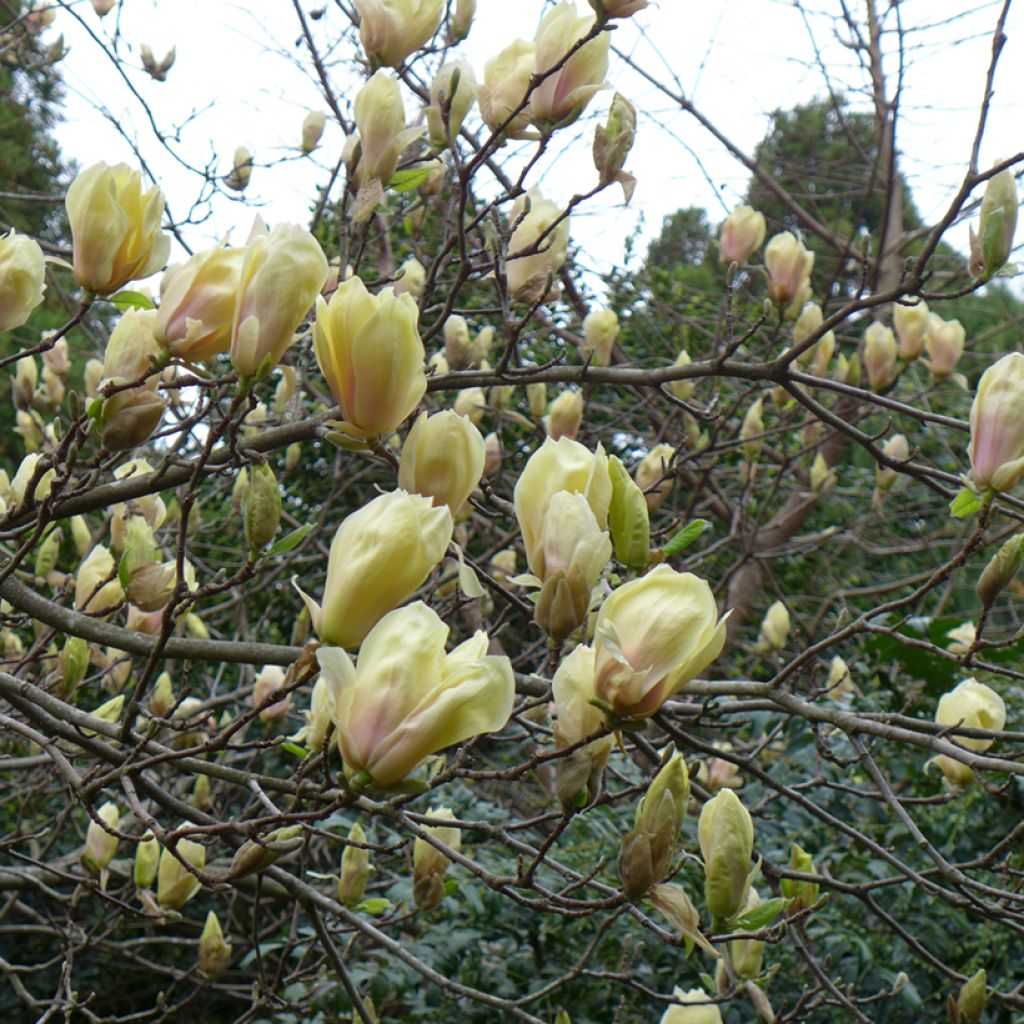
{"x": 100, "y": 845}
{"x": 726, "y": 835}
{"x": 175, "y": 884}
{"x": 996, "y": 450}
{"x": 369, "y": 350}
{"x": 538, "y": 247}
{"x": 429, "y": 864}
{"x": 742, "y": 233}
{"x": 653, "y": 635}
{"x": 789, "y": 266}
{"x": 22, "y": 275}
{"x": 697, "y": 1008}
{"x": 379, "y": 556}
{"x": 405, "y": 699}
{"x": 115, "y": 228}
{"x": 390, "y": 30}
{"x": 506, "y": 81}
{"x": 442, "y": 458}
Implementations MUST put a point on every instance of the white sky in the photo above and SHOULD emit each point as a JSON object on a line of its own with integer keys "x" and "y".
{"x": 241, "y": 77}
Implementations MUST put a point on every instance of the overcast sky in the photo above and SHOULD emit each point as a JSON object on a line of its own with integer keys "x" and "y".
{"x": 242, "y": 77}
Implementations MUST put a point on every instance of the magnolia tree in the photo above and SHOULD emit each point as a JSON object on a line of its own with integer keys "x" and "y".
{"x": 392, "y": 631}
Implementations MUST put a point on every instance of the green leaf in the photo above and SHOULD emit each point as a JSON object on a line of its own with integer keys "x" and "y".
{"x": 126, "y": 299}
{"x": 290, "y": 540}
{"x": 685, "y": 537}
{"x": 406, "y": 181}
{"x": 295, "y": 750}
{"x": 761, "y": 916}
{"x": 375, "y": 907}
{"x": 965, "y": 504}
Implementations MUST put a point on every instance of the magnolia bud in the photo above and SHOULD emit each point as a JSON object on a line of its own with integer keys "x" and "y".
{"x": 312, "y": 129}
{"x": 537, "y": 399}
{"x": 996, "y": 450}
{"x": 565, "y": 417}
{"x": 944, "y": 343}
{"x": 157, "y": 69}
{"x": 262, "y": 507}
{"x": 1000, "y": 571}
{"x": 654, "y": 475}
{"x": 271, "y": 679}
{"x": 241, "y": 170}
{"x": 22, "y": 279}
{"x": 612, "y": 143}
{"x": 47, "y": 554}
{"x": 880, "y": 353}
{"x": 429, "y": 864}
{"x": 504, "y": 89}
{"x": 252, "y": 856}
{"x": 443, "y": 459}
{"x": 648, "y": 850}
{"x": 628, "y": 518}
{"x": 471, "y": 403}
{"x": 910, "y": 318}
{"x": 92, "y": 375}
{"x": 752, "y": 430}
{"x": 617, "y": 8}
{"x": 774, "y": 627}
{"x": 803, "y": 894}
{"x": 73, "y": 662}
{"x": 600, "y": 329}
{"x": 355, "y": 867}
{"x": 973, "y": 996}
{"x": 726, "y": 835}
{"x": 743, "y": 232}
{"x": 897, "y": 448}
{"x": 100, "y": 845}
{"x": 175, "y": 884}
{"x": 997, "y": 221}
{"x": 457, "y": 348}
{"x": 147, "y": 857}
{"x": 391, "y": 32}
{"x": 103, "y": 7}
{"x": 25, "y": 382}
{"x": 462, "y": 19}
{"x": 412, "y": 279}
{"x": 822, "y": 478}
{"x": 452, "y": 96}
{"x": 747, "y": 955}
{"x": 214, "y": 952}
{"x": 788, "y": 265}
{"x": 538, "y": 248}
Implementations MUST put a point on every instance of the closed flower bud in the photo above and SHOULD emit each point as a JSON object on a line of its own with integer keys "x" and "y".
{"x": 503, "y": 91}
{"x": 537, "y": 249}
{"x": 747, "y": 955}
{"x": 268, "y": 682}
{"x": 996, "y": 450}
{"x": 774, "y": 628}
{"x": 565, "y": 417}
{"x": 318, "y": 717}
{"x": 157, "y": 69}
{"x": 653, "y": 636}
{"x": 822, "y": 478}
{"x": 600, "y": 329}
{"x": 1000, "y": 571}
{"x": 752, "y": 431}
{"x": 47, "y": 554}
{"x": 452, "y": 97}
{"x": 103, "y": 7}
{"x": 27, "y": 472}
{"x": 406, "y": 699}
{"x": 457, "y": 347}
{"x": 910, "y": 318}
{"x": 56, "y": 358}
{"x": 944, "y": 343}
{"x": 647, "y": 852}
{"x": 803, "y": 894}
{"x": 612, "y": 143}
{"x": 537, "y": 399}
{"x": 25, "y": 382}
{"x": 380, "y": 118}
{"x": 628, "y": 518}
{"x": 100, "y": 845}
{"x": 254, "y": 856}
{"x": 618, "y": 8}
{"x": 369, "y": 350}
{"x": 839, "y": 684}
{"x": 22, "y": 279}
{"x": 654, "y": 475}
{"x": 788, "y": 265}
{"x": 355, "y": 868}
{"x": 997, "y": 221}
{"x": 429, "y": 864}
{"x": 412, "y": 279}
{"x": 73, "y": 662}
{"x": 471, "y": 403}
{"x": 970, "y": 1003}
{"x": 461, "y": 20}
{"x": 161, "y": 699}
{"x": 697, "y": 1008}
{"x": 115, "y": 228}
{"x": 147, "y": 857}
{"x": 726, "y": 835}
{"x": 682, "y": 389}
{"x": 175, "y": 884}
{"x": 898, "y": 448}
{"x": 742, "y": 233}
{"x": 262, "y": 507}
{"x": 391, "y": 30}
{"x": 197, "y": 304}
{"x": 238, "y": 177}
{"x": 492, "y": 455}
{"x": 973, "y": 705}
{"x": 281, "y": 275}
{"x": 91, "y": 377}
{"x": 97, "y": 589}
{"x": 880, "y": 352}
{"x": 563, "y": 95}
{"x": 380, "y": 555}
{"x": 312, "y": 129}
{"x": 214, "y": 951}
{"x": 442, "y": 459}
{"x": 130, "y": 417}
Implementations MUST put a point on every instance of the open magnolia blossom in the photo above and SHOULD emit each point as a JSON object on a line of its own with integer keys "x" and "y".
{"x": 391, "y": 30}
{"x": 653, "y": 635}
{"x": 976, "y": 706}
{"x": 405, "y": 698}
